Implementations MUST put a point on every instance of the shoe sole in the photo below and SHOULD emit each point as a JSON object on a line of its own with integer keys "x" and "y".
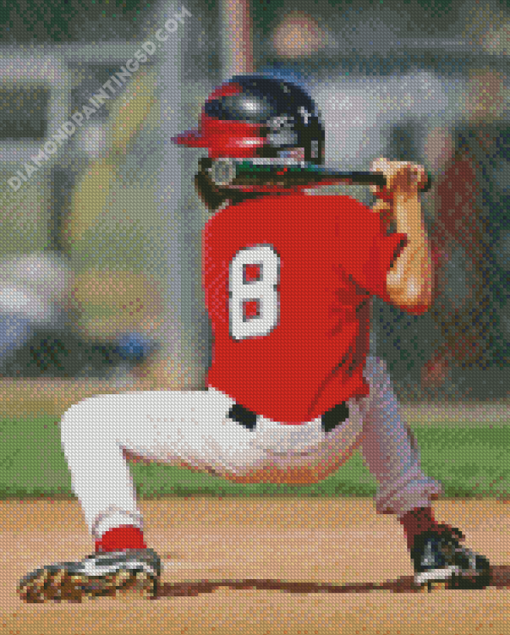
{"x": 57, "y": 584}
{"x": 434, "y": 575}
{"x": 452, "y": 578}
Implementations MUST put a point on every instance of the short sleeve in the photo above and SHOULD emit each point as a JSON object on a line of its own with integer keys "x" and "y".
{"x": 366, "y": 251}
{"x": 385, "y": 250}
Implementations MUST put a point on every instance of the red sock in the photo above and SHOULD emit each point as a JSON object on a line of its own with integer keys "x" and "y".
{"x": 417, "y": 521}
{"x": 121, "y": 538}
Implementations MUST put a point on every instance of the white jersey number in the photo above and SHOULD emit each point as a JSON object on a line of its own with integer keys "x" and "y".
{"x": 253, "y": 292}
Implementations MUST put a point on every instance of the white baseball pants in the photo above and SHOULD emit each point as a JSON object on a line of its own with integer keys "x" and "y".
{"x": 192, "y": 428}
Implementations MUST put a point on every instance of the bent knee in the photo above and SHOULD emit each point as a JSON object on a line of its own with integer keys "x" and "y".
{"x": 87, "y": 414}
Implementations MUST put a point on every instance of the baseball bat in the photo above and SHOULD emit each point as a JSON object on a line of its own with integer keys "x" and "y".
{"x": 260, "y": 174}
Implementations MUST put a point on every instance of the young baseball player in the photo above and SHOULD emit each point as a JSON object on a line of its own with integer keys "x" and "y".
{"x": 291, "y": 394}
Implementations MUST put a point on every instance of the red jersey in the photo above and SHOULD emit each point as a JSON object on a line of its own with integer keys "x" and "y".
{"x": 287, "y": 283}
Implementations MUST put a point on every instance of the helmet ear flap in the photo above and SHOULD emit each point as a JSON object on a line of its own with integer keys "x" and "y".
{"x": 309, "y": 144}
{"x": 313, "y": 137}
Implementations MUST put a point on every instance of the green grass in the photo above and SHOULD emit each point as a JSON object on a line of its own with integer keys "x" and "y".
{"x": 469, "y": 461}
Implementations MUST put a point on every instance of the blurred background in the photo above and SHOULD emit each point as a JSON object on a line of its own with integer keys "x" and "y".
{"x": 100, "y": 246}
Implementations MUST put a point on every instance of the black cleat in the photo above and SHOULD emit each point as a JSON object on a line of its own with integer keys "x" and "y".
{"x": 440, "y": 562}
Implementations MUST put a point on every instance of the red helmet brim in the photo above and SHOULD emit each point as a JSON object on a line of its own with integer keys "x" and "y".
{"x": 191, "y": 138}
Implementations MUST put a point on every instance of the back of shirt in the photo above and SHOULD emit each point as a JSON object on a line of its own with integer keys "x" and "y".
{"x": 288, "y": 281}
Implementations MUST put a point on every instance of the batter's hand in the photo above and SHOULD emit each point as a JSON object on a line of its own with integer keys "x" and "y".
{"x": 402, "y": 177}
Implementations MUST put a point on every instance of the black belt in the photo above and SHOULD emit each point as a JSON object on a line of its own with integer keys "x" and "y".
{"x": 330, "y": 419}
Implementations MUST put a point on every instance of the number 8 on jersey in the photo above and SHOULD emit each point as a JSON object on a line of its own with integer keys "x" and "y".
{"x": 253, "y": 292}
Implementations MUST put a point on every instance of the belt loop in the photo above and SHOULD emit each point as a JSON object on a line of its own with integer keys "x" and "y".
{"x": 242, "y": 415}
{"x": 333, "y": 417}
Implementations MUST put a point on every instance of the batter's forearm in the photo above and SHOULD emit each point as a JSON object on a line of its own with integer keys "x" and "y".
{"x": 410, "y": 280}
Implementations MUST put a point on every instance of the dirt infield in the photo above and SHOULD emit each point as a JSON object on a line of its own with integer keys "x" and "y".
{"x": 261, "y": 566}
